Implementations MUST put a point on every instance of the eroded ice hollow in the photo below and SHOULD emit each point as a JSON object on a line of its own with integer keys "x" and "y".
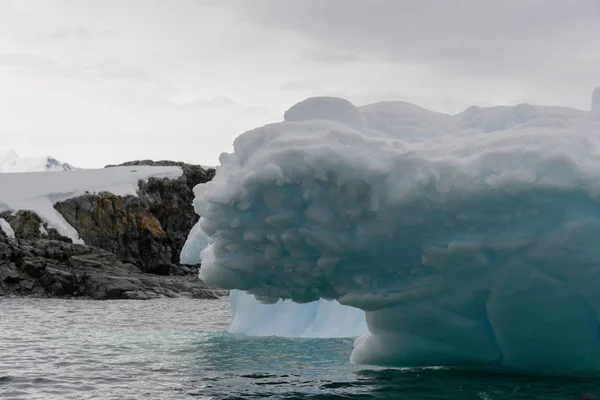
{"x": 467, "y": 240}
{"x": 317, "y": 319}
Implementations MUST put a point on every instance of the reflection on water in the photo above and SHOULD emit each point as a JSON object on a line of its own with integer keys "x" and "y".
{"x": 176, "y": 349}
{"x": 319, "y": 369}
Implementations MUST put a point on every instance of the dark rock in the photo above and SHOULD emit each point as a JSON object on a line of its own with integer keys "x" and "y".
{"x": 134, "y": 295}
{"x": 161, "y": 269}
{"x": 58, "y": 269}
{"x": 34, "y": 267}
{"x": 28, "y": 285}
{"x": 28, "y": 225}
{"x": 119, "y": 287}
{"x": 149, "y": 230}
{"x": 10, "y": 275}
{"x": 57, "y": 289}
{"x": 121, "y": 225}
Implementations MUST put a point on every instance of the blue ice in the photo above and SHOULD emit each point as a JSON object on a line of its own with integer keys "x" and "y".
{"x": 466, "y": 239}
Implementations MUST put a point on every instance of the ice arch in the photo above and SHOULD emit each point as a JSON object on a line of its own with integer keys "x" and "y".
{"x": 317, "y": 319}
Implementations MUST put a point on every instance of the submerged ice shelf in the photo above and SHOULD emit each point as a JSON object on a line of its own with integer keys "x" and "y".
{"x": 317, "y": 319}
{"x": 466, "y": 239}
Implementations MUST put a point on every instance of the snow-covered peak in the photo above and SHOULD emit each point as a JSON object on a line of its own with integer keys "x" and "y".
{"x": 11, "y": 162}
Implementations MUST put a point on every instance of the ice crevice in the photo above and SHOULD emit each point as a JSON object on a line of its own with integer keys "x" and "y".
{"x": 466, "y": 239}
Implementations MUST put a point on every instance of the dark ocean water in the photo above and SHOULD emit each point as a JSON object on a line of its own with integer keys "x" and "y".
{"x": 176, "y": 349}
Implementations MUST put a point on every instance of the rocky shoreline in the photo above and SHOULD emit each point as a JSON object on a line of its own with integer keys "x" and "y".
{"x": 132, "y": 245}
{"x": 54, "y": 268}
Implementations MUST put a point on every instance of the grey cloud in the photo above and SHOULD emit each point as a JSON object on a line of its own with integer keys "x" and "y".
{"x": 58, "y": 35}
{"x": 25, "y": 60}
{"x": 83, "y": 31}
{"x": 78, "y": 31}
{"x": 111, "y": 69}
{"x": 325, "y": 56}
{"x": 310, "y": 88}
{"x": 468, "y": 36}
{"x": 223, "y": 103}
{"x": 128, "y": 74}
{"x": 103, "y": 69}
{"x": 301, "y": 86}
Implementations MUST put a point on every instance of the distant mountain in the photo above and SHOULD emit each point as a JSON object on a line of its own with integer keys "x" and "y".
{"x": 11, "y": 162}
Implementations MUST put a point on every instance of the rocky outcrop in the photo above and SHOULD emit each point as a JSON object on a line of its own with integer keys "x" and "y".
{"x": 132, "y": 244}
{"x": 125, "y": 227}
{"x": 46, "y": 267}
{"x": 147, "y": 231}
{"x": 28, "y": 225}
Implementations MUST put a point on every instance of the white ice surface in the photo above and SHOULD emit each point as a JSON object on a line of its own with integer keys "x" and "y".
{"x": 467, "y": 239}
{"x": 42, "y": 229}
{"x": 195, "y": 243}
{"x": 39, "y": 191}
{"x": 318, "y": 319}
{"x": 197, "y": 240}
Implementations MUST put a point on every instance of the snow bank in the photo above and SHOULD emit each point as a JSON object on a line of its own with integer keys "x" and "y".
{"x": 473, "y": 245}
{"x": 6, "y": 228}
{"x": 39, "y": 191}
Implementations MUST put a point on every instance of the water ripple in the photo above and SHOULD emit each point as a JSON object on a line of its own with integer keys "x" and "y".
{"x": 175, "y": 349}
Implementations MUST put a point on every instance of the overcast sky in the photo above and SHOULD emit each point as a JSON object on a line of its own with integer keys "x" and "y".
{"x": 94, "y": 82}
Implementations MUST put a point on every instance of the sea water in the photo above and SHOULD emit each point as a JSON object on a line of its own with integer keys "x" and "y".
{"x": 177, "y": 349}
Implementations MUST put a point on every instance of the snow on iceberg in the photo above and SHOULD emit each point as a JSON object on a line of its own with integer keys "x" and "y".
{"x": 473, "y": 246}
{"x": 197, "y": 240}
{"x": 39, "y": 191}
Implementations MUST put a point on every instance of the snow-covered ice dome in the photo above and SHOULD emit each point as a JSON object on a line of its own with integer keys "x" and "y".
{"x": 329, "y": 109}
{"x": 467, "y": 240}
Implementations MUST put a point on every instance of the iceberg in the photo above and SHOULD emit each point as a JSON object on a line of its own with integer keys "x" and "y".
{"x": 318, "y": 319}
{"x": 467, "y": 240}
